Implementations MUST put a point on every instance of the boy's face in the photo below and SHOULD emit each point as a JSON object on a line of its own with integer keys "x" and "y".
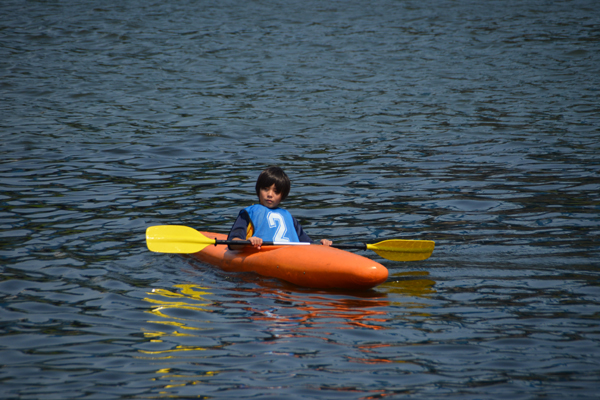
{"x": 269, "y": 197}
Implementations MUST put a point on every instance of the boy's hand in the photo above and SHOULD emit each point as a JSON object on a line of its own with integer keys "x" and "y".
{"x": 256, "y": 242}
{"x": 326, "y": 242}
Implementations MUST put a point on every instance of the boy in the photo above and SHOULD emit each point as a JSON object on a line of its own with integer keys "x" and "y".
{"x": 266, "y": 221}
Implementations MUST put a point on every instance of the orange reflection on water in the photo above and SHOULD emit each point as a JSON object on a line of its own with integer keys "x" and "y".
{"x": 345, "y": 310}
{"x": 286, "y": 311}
{"x": 302, "y": 311}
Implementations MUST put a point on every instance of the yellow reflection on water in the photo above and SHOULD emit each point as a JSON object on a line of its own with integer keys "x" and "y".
{"x": 410, "y": 284}
{"x": 186, "y": 297}
{"x": 291, "y": 314}
{"x": 176, "y": 349}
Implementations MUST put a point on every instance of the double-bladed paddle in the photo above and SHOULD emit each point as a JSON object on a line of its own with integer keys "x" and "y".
{"x": 186, "y": 240}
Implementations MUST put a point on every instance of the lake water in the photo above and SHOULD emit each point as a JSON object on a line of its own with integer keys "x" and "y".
{"x": 474, "y": 123}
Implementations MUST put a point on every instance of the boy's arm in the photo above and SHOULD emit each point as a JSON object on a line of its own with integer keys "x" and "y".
{"x": 302, "y": 236}
{"x": 239, "y": 229}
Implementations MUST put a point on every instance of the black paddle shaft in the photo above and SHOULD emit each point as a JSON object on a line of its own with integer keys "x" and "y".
{"x": 360, "y": 246}
{"x": 247, "y": 242}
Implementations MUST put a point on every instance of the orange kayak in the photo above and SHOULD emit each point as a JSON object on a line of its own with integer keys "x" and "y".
{"x": 313, "y": 266}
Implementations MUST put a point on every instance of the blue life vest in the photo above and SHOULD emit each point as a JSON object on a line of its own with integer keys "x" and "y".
{"x": 276, "y": 225}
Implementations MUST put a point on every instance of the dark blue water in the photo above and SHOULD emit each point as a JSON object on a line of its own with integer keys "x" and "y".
{"x": 474, "y": 124}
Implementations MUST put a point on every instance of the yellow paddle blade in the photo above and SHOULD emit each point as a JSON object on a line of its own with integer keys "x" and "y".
{"x": 403, "y": 250}
{"x": 176, "y": 239}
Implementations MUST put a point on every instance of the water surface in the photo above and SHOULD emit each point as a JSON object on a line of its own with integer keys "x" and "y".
{"x": 472, "y": 124}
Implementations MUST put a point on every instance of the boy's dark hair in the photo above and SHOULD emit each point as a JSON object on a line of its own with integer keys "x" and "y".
{"x": 274, "y": 175}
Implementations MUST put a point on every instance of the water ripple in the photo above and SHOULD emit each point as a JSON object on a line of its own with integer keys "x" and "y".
{"x": 474, "y": 125}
